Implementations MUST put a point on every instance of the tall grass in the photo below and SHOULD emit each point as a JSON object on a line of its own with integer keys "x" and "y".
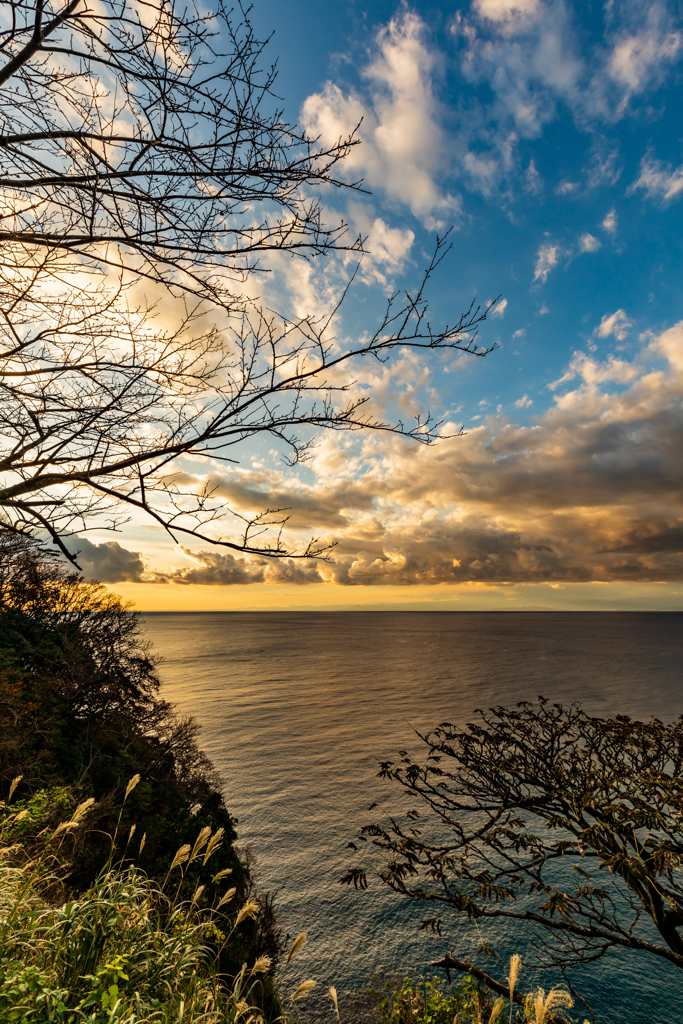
{"x": 128, "y": 950}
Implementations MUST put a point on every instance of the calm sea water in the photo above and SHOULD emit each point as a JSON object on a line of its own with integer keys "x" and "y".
{"x": 298, "y": 709}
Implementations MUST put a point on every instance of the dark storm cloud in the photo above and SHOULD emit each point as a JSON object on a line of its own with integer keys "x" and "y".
{"x": 109, "y": 562}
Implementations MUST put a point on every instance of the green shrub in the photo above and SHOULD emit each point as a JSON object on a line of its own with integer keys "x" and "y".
{"x": 128, "y": 950}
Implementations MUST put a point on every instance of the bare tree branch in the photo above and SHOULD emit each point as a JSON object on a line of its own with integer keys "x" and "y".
{"x": 146, "y": 174}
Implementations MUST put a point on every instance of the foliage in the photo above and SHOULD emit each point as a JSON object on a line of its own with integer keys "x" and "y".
{"x": 127, "y": 950}
{"x": 569, "y": 824}
{"x": 80, "y": 715}
{"x": 430, "y": 1001}
{"x": 79, "y": 707}
{"x": 146, "y": 174}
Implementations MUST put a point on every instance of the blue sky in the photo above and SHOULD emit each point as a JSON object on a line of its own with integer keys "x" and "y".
{"x": 549, "y": 136}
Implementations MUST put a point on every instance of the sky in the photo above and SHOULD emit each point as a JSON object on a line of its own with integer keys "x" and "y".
{"x": 548, "y": 136}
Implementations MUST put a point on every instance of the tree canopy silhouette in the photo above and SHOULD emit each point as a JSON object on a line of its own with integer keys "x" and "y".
{"x": 568, "y": 824}
{"x": 147, "y": 183}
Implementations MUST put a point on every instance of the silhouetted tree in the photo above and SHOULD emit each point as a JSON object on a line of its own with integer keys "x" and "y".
{"x": 543, "y": 815}
{"x": 145, "y": 174}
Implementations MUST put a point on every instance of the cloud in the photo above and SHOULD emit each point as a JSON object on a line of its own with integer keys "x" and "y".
{"x": 532, "y": 57}
{"x": 499, "y": 308}
{"x": 589, "y": 243}
{"x": 547, "y": 258}
{"x": 404, "y": 146}
{"x": 593, "y": 372}
{"x": 610, "y": 221}
{"x": 524, "y": 402}
{"x": 617, "y": 324}
{"x": 508, "y": 13}
{"x": 669, "y": 345}
{"x": 638, "y": 58}
{"x": 387, "y": 248}
{"x": 658, "y": 180}
{"x": 109, "y": 562}
{"x": 590, "y": 489}
{"x": 533, "y": 181}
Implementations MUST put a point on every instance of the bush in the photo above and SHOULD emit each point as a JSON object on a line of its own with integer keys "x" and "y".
{"x": 80, "y": 714}
{"x": 128, "y": 950}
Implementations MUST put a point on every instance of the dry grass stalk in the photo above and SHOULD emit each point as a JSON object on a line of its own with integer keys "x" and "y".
{"x": 250, "y": 909}
{"x": 222, "y": 874}
{"x": 333, "y": 997}
{"x": 226, "y": 898}
{"x": 180, "y": 857}
{"x": 496, "y": 1010}
{"x": 515, "y": 965}
{"x": 13, "y": 786}
{"x": 543, "y": 1006}
{"x": 303, "y": 989}
{"x": 214, "y": 842}
{"x": 299, "y": 941}
{"x": 75, "y": 817}
{"x": 131, "y": 786}
{"x": 262, "y": 964}
{"x": 200, "y": 842}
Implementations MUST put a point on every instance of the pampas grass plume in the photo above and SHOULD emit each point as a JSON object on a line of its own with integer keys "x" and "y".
{"x": 250, "y": 909}
{"x": 214, "y": 842}
{"x": 131, "y": 786}
{"x": 200, "y": 842}
{"x": 299, "y": 941}
{"x": 180, "y": 857}
{"x": 226, "y": 898}
{"x": 262, "y": 965}
{"x": 515, "y": 965}
{"x": 303, "y": 989}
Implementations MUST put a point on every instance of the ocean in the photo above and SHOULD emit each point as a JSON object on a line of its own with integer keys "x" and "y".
{"x": 298, "y": 709}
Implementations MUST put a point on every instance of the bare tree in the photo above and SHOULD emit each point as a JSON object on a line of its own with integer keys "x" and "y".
{"x": 145, "y": 176}
{"x": 570, "y": 825}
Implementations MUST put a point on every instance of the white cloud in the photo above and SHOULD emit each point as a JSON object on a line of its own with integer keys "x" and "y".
{"x": 546, "y": 259}
{"x": 592, "y": 372}
{"x": 499, "y": 308}
{"x": 602, "y": 169}
{"x": 610, "y": 221}
{"x": 532, "y": 179}
{"x": 524, "y": 402}
{"x": 508, "y": 13}
{"x": 658, "y": 180}
{"x": 617, "y": 324}
{"x": 637, "y": 58}
{"x": 403, "y": 146}
{"x": 589, "y": 243}
{"x": 520, "y": 333}
{"x": 531, "y": 57}
{"x": 529, "y": 61}
{"x": 670, "y": 345}
{"x": 387, "y": 248}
